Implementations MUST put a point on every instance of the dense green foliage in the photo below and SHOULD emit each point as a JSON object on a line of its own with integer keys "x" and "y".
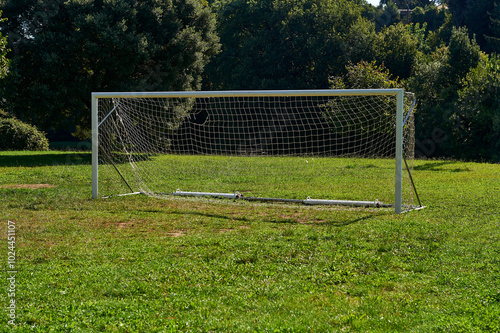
{"x": 276, "y": 44}
{"x": 138, "y": 264}
{"x": 409, "y": 3}
{"x": 436, "y": 80}
{"x": 382, "y": 16}
{"x": 4, "y": 61}
{"x": 16, "y": 135}
{"x": 476, "y": 15}
{"x": 397, "y": 49}
{"x": 365, "y": 76}
{"x": 477, "y": 116}
{"x": 263, "y": 47}
{"x": 64, "y": 50}
{"x": 431, "y": 16}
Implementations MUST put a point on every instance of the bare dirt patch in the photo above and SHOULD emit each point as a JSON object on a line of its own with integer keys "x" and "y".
{"x": 221, "y": 231}
{"x": 176, "y": 234}
{"x": 121, "y": 225}
{"x": 27, "y": 186}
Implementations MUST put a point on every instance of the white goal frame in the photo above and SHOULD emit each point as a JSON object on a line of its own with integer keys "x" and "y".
{"x": 398, "y": 93}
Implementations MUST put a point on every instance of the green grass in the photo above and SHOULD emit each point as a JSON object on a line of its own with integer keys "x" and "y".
{"x": 269, "y": 177}
{"x": 138, "y": 264}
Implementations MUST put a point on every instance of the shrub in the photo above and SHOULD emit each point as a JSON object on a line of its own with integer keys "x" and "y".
{"x": 476, "y": 120}
{"x": 365, "y": 75}
{"x": 17, "y": 135}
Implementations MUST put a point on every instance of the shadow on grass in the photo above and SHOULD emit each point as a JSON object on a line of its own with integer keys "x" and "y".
{"x": 270, "y": 219}
{"x": 349, "y": 222}
{"x": 48, "y": 159}
{"x": 219, "y": 216}
{"x": 440, "y": 166}
{"x": 339, "y": 223}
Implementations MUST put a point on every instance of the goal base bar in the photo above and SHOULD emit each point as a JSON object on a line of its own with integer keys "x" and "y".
{"x": 207, "y": 194}
{"x": 375, "y": 203}
{"x": 307, "y": 201}
{"x": 122, "y": 195}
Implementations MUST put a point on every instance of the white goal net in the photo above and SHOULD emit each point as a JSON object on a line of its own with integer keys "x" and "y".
{"x": 352, "y": 147}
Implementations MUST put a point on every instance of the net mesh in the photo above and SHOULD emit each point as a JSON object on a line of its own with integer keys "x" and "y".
{"x": 329, "y": 147}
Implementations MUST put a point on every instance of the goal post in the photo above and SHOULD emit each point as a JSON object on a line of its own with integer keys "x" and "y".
{"x": 399, "y": 152}
{"x": 230, "y": 138}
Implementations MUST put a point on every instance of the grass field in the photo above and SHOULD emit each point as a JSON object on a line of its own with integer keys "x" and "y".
{"x": 258, "y": 176}
{"x": 139, "y": 264}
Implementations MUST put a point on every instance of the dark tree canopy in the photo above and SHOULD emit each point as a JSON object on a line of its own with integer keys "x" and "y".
{"x": 397, "y": 48}
{"x": 493, "y": 38}
{"x": 404, "y": 4}
{"x": 281, "y": 44}
{"x": 436, "y": 82}
{"x": 65, "y": 49}
{"x": 477, "y": 16}
{"x": 432, "y": 16}
{"x": 477, "y": 116}
{"x": 4, "y": 61}
{"x": 62, "y": 50}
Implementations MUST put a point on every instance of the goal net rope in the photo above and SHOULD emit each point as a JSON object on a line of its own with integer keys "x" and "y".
{"x": 341, "y": 146}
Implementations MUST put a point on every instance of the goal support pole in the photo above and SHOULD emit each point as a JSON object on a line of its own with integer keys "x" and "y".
{"x": 95, "y": 147}
{"x": 399, "y": 153}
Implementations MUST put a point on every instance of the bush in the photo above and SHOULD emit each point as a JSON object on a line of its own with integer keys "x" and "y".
{"x": 475, "y": 134}
{"x": 365, "y": 75}
{"x": 16, "y": 135}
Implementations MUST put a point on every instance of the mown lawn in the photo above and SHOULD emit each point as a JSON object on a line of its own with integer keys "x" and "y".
{"x": 139, "y": 264}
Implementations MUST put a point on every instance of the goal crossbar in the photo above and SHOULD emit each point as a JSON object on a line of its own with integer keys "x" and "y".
{"x": 250, "y": 93}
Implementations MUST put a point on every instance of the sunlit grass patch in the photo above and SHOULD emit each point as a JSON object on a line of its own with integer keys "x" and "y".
{"x": 145, "y": 264}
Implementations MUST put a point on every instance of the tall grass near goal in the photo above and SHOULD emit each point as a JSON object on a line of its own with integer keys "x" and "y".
{"x": 351, "y": 147}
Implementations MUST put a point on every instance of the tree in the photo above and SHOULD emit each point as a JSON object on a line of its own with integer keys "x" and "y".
{"x": 281, "y": 44}
{"x": 361, "y": 39}
{"x": 386, "y": 15}
{"x": 494, "y": 38}
{"x": 458, "y": 9}
{"x": 4, "y": 61}
{"x": 477, "y": 118}
{"x": 436, "y": 81}
{"x": 365, "y": 75}
{"x": 64, "y": 50}
{"x": 397, "y": 48}
{"x": 433, "y": 17}
{"x": 475, "y": 15}
{"x": 465, "y": 54}
{"x": 435, "y": 95}
{"x": 410, "y": 4}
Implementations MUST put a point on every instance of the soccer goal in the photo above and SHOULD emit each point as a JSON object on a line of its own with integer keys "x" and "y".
{"x": 329, "y": 147}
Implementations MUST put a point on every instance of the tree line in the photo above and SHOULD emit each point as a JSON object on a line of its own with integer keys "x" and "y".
{"x": 54, "y": 53}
